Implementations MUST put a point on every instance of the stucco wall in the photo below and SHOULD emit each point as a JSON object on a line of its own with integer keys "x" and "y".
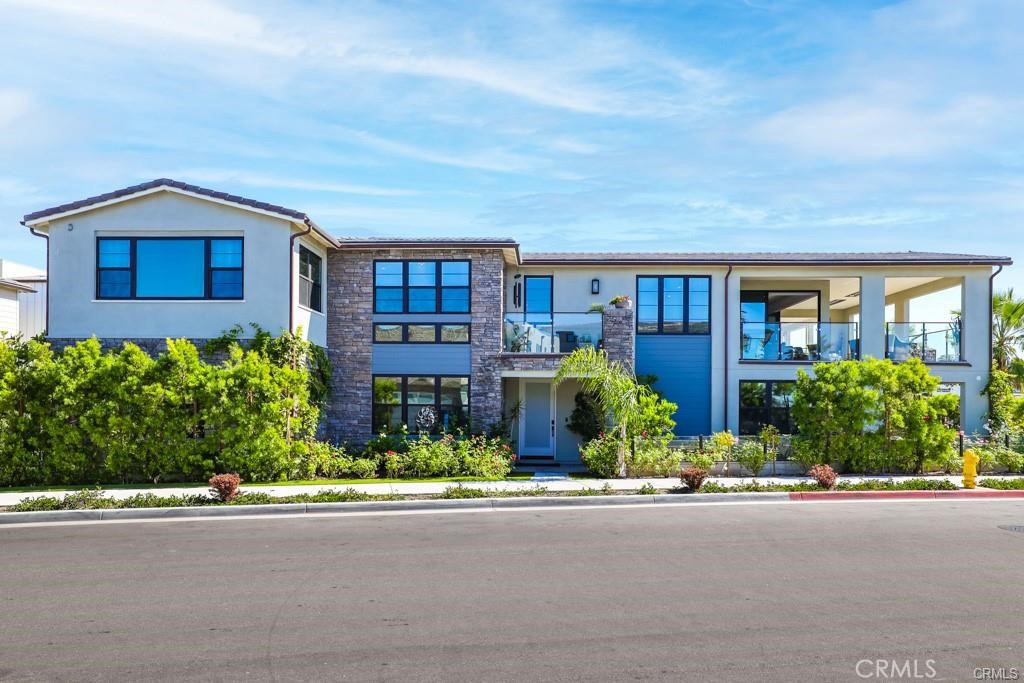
{"x": 75, "y": 312}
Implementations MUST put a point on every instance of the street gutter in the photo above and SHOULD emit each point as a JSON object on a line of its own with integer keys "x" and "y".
{"x": 468, "y": 504}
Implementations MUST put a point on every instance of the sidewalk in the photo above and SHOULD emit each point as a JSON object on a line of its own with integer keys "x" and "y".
{"x": 552, "y": 482}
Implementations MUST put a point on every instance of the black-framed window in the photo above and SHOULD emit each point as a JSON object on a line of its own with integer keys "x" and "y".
{"x": 429, "y": 286}
{"x": 401, "y": 399}
{"x": 673, "y": 304}
{"x": 767, "y": 402}
{"x": 311, "y": 268}
{"x": 421, "y": 333}
{"x": 169, "y": 268}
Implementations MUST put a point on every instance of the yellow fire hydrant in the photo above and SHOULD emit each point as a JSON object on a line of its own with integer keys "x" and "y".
{"x": 970, "y": 468}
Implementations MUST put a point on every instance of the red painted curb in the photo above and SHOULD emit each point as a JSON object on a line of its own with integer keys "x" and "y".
{"x": 876, "y": 495}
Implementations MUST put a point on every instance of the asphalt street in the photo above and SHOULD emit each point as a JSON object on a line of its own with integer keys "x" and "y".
{"x": 787, "y": 592}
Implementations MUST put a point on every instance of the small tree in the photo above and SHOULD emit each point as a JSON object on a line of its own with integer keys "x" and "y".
{"x": 613, "y": 386}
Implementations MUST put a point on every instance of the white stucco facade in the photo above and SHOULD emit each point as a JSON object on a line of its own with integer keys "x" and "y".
{"x": 75, "y": 310}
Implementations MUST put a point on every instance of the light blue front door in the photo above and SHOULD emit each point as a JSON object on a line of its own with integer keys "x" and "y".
{"x": 537, "y": 428}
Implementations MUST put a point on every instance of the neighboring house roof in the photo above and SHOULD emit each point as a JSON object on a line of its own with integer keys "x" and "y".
{"x": 15, "y": 286}
{"x": 761, "y": 258}
{"x": 127, "y": 193}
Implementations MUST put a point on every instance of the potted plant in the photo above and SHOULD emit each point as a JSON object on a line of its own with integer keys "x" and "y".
{"x": 620, "y": 301}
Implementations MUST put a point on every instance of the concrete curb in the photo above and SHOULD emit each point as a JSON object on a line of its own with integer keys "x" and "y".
{"x": 896, "y": 495}
{"x": 484, "y": 504}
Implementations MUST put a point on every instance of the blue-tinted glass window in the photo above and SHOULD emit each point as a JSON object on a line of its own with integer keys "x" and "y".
{"x": 226, "y": 284}
{"x": 455, "y": 273}
{"x": 226, "y": 253}
{"x": 173, "y": 268}
{"x": 455, "y": 300}
{"x": 422, "y": 273}
{"x": 422, "y": 286}
{"x": 389, "y": 273}
{"x": 388, "y": 300}
{"x": 170, "y": 268}
{"x": 422, "y": 299}
{"x": 115, "y": 253}
{"x": 115, "y": 284}
{"x": 673, "y": 304}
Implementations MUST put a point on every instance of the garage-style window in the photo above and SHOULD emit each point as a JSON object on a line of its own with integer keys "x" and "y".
{"x": 421, "y": 286}
{"x": 310, "y": 280}
{"x": 169, "y": 268}
{"x": 431, "y": 403}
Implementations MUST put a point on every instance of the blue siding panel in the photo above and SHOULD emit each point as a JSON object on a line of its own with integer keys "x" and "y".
{"x": 683, "y": 366}
{"x": 429, "y": 359}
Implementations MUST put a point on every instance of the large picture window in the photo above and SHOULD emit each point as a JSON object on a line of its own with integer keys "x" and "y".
{"x": 766, "y": 403}
{"x": 310, "y": 280}
{"x": 673, "y": 304}
{"x": 421, "y": 286}
{"x": 169, "y": 268}
{"x": 439, "y": 402}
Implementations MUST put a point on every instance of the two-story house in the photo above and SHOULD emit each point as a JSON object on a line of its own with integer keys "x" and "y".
{"x": 475, "y": 329}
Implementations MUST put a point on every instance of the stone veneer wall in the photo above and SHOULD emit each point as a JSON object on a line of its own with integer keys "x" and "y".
{"x": 620, "y": 335}
{"x": 350, "y": 330}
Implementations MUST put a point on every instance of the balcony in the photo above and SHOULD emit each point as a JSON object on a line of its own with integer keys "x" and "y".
{"x": 552, "y": 332}
{"x": 799, "y": 342}
{"x": 936, "y": 342}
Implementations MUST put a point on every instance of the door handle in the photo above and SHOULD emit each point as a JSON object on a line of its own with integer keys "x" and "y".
{"x": 552, "y": 428}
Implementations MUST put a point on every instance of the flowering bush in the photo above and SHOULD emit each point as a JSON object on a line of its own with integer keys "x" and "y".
{"x": 653, "y": 458}
{"x": 224, "y": 487}
{"x": 824, "y": 475}
{"x": 693, "y": 477}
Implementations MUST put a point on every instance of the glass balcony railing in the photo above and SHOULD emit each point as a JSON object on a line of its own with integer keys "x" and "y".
{"x": 809, "y": 342}
{"x": 937, "y": 342}
{"x": 552, "y": 332}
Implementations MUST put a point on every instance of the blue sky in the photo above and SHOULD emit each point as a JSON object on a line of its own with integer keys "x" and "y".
{"x": 575, "y": 125}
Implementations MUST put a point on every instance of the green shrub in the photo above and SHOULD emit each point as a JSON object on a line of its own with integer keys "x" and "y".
{"x": 653, "y": 458}
{"x": 363, "y": 468}
{"x": 83, "y": 415}
{"x": 751, "y": 455}
{"x": 702, "y": 460}
{"x": 875, "y": 415}
{"x": 586, "y": 420}
{"x": 805, "y": 453}
{"x": 605, "y": 490}
{"x": 891, "y": 485}
{"x": 1002, "y": 484}
{"x": 600, "y": 455}
{"x": 647, "y": 490}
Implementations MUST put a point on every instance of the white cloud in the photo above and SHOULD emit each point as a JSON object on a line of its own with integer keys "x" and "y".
{"x": 873, "y": 127}
{"x": 214, "y": 175}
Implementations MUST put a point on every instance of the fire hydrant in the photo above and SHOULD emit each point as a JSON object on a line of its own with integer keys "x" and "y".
{"x": 970, "y": 468}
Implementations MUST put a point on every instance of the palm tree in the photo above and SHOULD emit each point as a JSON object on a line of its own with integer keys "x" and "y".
{"x": 614, "y": 386}
{"x": 1007, "y": 328}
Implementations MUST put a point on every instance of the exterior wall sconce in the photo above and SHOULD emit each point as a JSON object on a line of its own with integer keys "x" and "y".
{"x": 595, "y": 286}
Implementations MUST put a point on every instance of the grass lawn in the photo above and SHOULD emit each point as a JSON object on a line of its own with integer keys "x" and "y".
{"x": 515, "y": 476}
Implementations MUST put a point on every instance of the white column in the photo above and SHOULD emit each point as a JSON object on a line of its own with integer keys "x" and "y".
{"x": 872, "y": 316}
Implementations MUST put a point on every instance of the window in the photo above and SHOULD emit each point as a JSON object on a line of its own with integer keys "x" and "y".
{"x": 766, "y": 403}
{"x": 439, "y": 403}
{"x": 310, "y": 280}
{"x": 169, "y": 268}
{"x": 421, "y": 333}
{"x": 673, "y": 304}
{"x": 421, "y": 287}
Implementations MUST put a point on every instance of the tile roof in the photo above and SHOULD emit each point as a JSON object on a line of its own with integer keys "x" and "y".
{"x": 763, "y": 258}
{"x": 165, "y": 182}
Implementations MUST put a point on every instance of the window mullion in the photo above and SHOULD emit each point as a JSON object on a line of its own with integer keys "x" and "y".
{"x": 686, "y": 305}
{"x": 133, "y": 267}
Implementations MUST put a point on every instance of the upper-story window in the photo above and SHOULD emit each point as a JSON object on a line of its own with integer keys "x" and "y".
{"x": 169, "y": 268}
{"x": 673, "y": 304}
{"x": 421, "y": 286}
{"x": 310, "y": 280}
